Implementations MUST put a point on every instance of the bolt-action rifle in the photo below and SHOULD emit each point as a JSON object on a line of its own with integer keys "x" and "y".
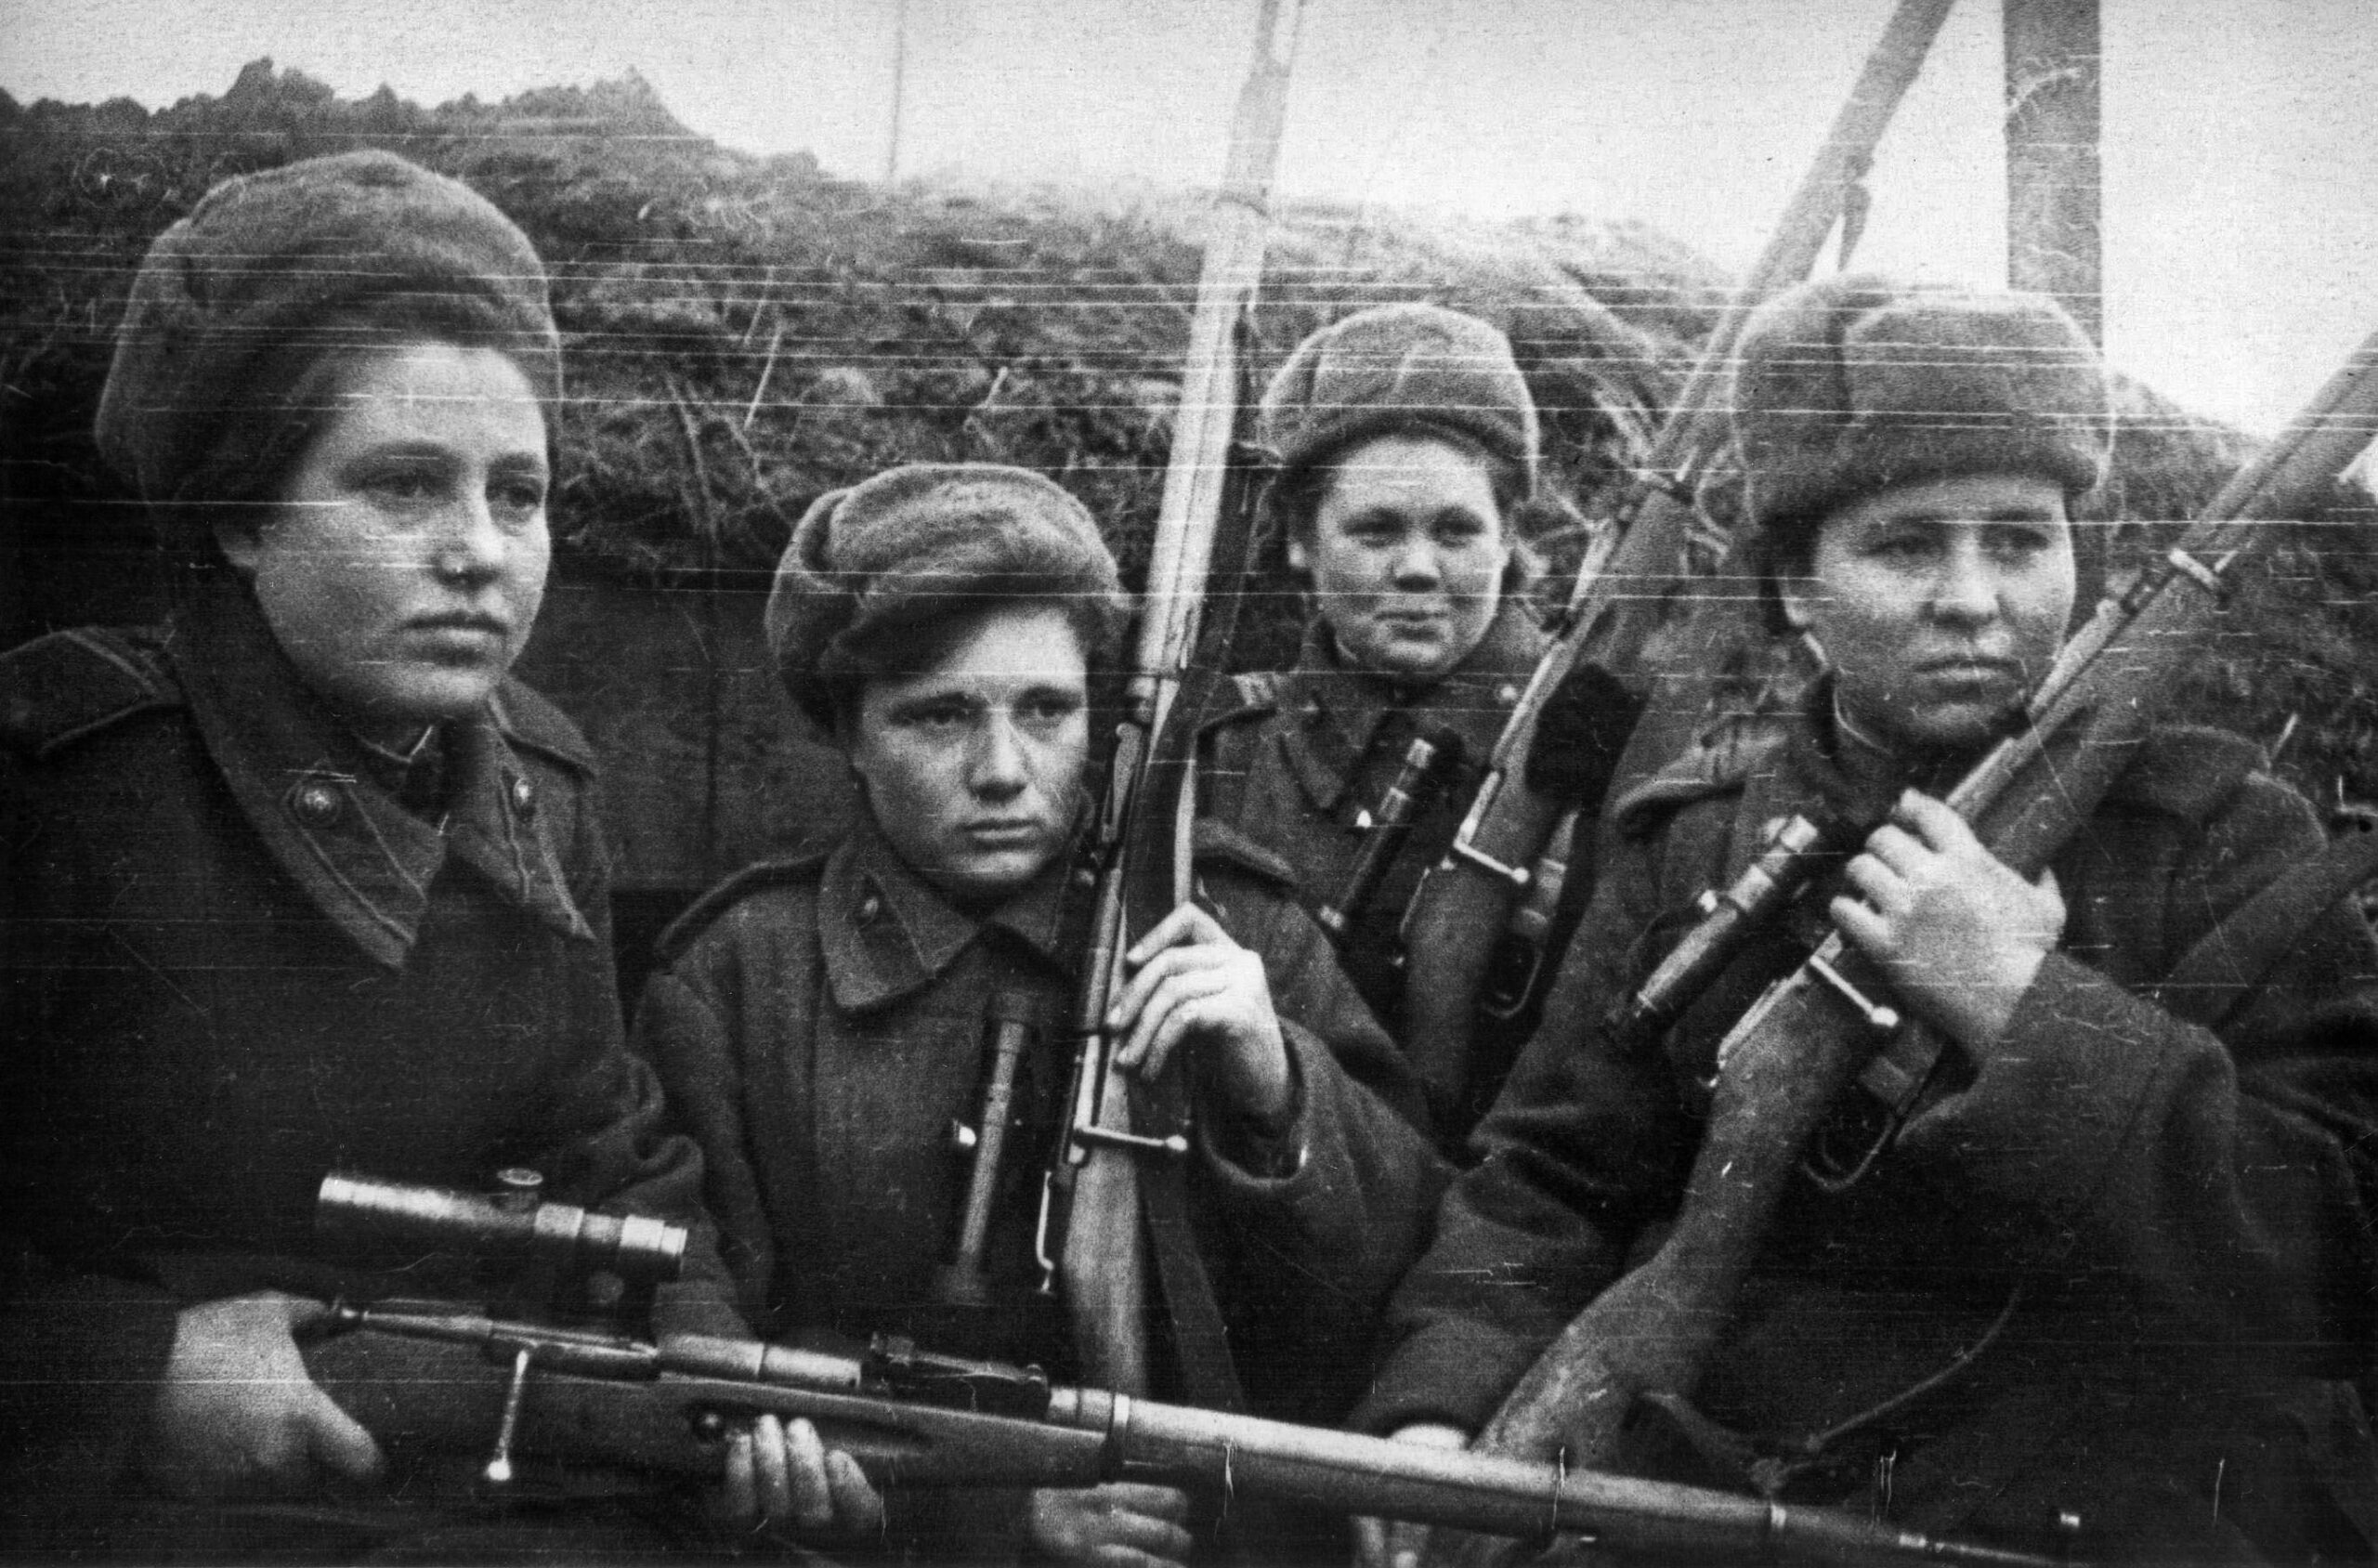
{"x": 436, "y": 1375}
{"x": 1786, "y": 1062}
{"x": 1514, "y": 834}
{"x": 1140, "y": 846}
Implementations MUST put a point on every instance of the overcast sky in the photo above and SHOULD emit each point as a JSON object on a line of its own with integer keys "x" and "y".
{"x": 2241, "y": 144}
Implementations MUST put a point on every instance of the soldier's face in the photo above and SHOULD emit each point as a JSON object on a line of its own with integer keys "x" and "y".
{"x": 1939, "y": 604}
{"x": 402, "y": 570}
{"x": 1406, "y": 553}
{"x": 973, "y": 767}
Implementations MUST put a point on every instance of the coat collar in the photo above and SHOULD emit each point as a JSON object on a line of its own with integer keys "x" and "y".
{"x": 1857, "y": 777}
{"x": 304, "y": 783}
{"x": 1335, "y": 713}
{"x": 885, "y": 932}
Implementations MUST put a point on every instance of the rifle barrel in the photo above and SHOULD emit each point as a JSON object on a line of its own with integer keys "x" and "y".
{"x": 1466, "y": 903}
{"x": 1356, "y": 1474}
{"x": 437, "y": 1374}
{"x": 1102, "y": 1262}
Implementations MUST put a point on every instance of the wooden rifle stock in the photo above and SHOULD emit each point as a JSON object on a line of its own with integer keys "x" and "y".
{"x": 1150, "y": 801}
{"x": 1786, "y": 1061}
{"x": 432, "y": 1377}
{"x": 1467, "y": 903}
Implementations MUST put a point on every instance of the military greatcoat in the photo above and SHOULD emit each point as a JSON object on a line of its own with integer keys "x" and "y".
{"x": 2131, "y": 1248}
{"x": 1302, "y": 765}
{"x": 232, "y": 961}
{"x": 820, "y": 1026}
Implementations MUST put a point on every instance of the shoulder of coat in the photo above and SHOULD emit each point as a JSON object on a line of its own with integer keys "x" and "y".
{"x": 2188, "y": 770}
{"x": 1721, "y": 761}
{"x": 1216, "y": 842}
{"x": 532, "y": 723}
{"x": 681, "y": 933}
{"x": 69, "y": 685}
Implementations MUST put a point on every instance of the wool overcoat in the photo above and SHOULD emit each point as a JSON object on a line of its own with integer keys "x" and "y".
{"x": 820, "y": 1025}
{"x": 232, "y": 963}
{"x": 2150, "y": 1236}
{"x": 1301, "y": 765}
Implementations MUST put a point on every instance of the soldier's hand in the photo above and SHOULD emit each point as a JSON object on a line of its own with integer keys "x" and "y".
{"x": 1190, "y": 981}
{"x": 779, "y": 1475}
{"x": 237, "y": 1413}
{"x": 1123, "y": 1523}
{"x": 1395, "y": 1543}
{"x": 1958, "y": 933}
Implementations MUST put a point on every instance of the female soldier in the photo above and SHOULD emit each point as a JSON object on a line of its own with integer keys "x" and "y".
{"x": 1405, "y": 439}
{"x": 820, "y": 1025}
{"x": 303, "y": 881}
{"x": 2115, "y": 1268}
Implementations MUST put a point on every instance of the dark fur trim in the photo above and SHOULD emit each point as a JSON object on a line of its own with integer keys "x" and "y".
{"x": 1396, "y": 367}
{"x": 272, "y": 271}
{"x": 1853, "y": 384}
{"x": 917, "y": 544}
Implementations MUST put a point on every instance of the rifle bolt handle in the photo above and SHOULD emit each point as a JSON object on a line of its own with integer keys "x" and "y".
{"x": 1175, "y": 1145}
{"x": 498, "y": 1464}
{"x": 1880, "y": 1018}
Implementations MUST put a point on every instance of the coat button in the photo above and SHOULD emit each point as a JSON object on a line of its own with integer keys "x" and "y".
{"x": 871, "y": 909}
{"x": 314, "y": 802}
{"x": 1507, "y": 694}
{"x": 524, "y": 797}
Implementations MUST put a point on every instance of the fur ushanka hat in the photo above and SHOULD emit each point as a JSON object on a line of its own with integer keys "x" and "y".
{"x": 1851, "y": 385}
{"x": 1396, "y": 368}
{"x": 239, "y": 302}
{"x": 918, "y": 544}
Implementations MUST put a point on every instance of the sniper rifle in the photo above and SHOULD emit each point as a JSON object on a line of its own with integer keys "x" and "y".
{"x": 440, "y": 1377}
{"x": 1518, "y": 832}
{"x": 1785, "y": 1064}
{"x": 1097, "y": 1191}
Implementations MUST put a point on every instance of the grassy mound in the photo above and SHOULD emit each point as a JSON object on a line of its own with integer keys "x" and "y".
{"x": 745, "y": 335}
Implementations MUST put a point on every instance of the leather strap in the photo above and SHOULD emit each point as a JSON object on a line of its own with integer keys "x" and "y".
{"x": 2215, "y": 977}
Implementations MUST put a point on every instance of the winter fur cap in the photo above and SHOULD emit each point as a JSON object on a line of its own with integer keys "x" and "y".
{"x": 237, "y": 304}
{"x": 921, "y": 543}
{"x": 1851, "y": 385}
{"x": 1400, "y": 367}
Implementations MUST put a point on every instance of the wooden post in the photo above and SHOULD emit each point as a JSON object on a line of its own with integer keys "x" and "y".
{"x": 900, "y": 89}
{"x": 2052, "y": 173}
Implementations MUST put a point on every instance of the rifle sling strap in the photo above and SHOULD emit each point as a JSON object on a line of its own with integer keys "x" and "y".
{"x": 1200, "y": 1340}
{"x": 2215, "y": 977}
{"x": 2204, "y": 987}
